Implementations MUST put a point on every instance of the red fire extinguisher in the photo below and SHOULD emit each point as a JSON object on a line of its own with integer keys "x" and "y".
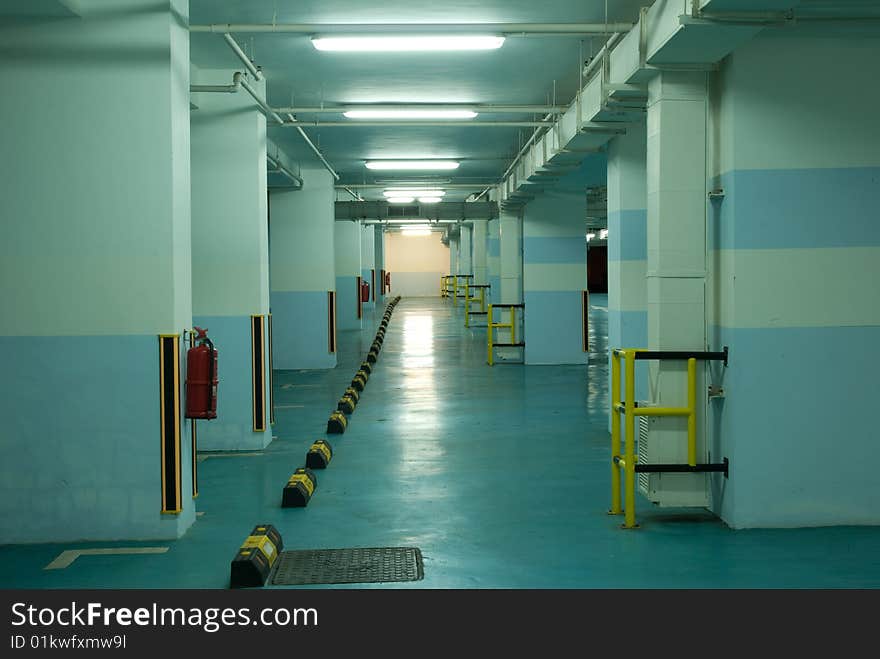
{"x": 365, "y": 292}
{"x": 201, "y": 378}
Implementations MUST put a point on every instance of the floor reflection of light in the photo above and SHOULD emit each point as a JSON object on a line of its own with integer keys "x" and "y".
{"x": 419, "y": 412}
{"x": 418, "y": 343}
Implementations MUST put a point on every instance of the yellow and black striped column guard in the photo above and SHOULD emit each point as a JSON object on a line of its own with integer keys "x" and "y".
{"x": 271, "y": 374}
{"x": 258, "y": 370}
{"x": 195, "y": 462}
{"x": 585, "y": 315}
{"x": 169, "y": 401}
{"x": 331, "y": 322}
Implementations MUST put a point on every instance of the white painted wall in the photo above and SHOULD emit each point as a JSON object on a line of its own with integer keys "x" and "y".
{"x": 95, "y": 235}
{"x": 347, "y": 248}
{"x": 302, "y": 254}
{"x": 416, "y": 264}
{"x": 230, "y": 249}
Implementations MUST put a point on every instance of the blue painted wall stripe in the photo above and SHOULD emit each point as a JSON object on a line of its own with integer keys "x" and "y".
{"x": 346, "y": 303}
{"x": 546, "y": 249}
{"x": 776, "y": 407}
{"x": 300, "y": 324}
{"x": 628, "y": 235}
{"x": 88, "y": 465}
{"x": 554, "y": 327}
{"x": 495, "y": 290}
{"x": 493, "y": 247}
{"x": 797, "y": 208}
{"x": 232, "y": 430}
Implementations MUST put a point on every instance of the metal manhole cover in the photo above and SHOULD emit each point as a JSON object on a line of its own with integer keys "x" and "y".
{"x": 356, "y": 565}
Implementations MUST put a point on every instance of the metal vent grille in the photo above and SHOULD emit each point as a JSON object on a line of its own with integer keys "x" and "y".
{"x": 643, "y": 452}
{"x": 355, "y": 565}
{"x": 402, "y": 210}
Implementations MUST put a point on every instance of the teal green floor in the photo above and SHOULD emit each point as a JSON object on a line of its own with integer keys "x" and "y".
{"x": 500, "y": 475}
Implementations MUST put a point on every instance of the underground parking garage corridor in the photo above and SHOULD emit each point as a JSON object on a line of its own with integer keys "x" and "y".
{"x": 575, "y": 293}
{"x": 499, "y": 475}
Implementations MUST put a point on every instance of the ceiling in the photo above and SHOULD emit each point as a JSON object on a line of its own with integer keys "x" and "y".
{"x": 35, "y": 9}
{"x": 523, "y": 71}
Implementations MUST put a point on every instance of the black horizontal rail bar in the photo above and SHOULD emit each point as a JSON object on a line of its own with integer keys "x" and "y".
{"x": 479, "y": 286}
{"x": 507, "y": 306}
{"x": 509, "y": 345}
{"x": 670, "y": 355}
{"x": 719, "y": 467}
{"x": 461, "y": 275}
{"x": 478, "y": 313}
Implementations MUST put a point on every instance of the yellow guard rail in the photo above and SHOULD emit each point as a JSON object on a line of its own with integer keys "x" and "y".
{"x": 460, "y": 283}
{"x": 445, "y": 281}
{"x": 627, "y": 462}
{"x": 510, "y": 324}
{"x": 468, "y": 299}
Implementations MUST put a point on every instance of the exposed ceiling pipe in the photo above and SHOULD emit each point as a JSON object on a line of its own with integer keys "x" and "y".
{"x": 600, "y": 56}
{"x": 354, "y": 194}
{"x": 606, "y": 48}
{"x": 244, "y": 58}
{"x": 386, "y": 107}
{"x": 414, "y": 186}
{"x": 263, "y": 105}
{"x": 280, "y": 168}
{"x": 404, "y": 222}
{"x": 314, "y": 148}
{"x": 506, "y": 29}
{"x": 421, "y": 124}
{"x": 268, "y": 111}
{"x": 228, "y": 89}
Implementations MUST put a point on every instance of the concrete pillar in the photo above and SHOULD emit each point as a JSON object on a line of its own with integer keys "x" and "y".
{"x": 230, "y": 256}
{"x": 676, "y": 232}
{"x": 794, "y": 261}
{"x": 554, "y": 277}
{"x": 493, "y": 259}
{"x": 94, "y": 269}
{"x": 369, "y": 273}
{"x": 302, "y": 273}
{"x": 379, "y": 253}
{"x": 347, "y": 250}
{"x": 676, "y": 263}
{"x": 481, "y": 275}
{"x": 510, "y": 241}
{"x": 453, "y": 255}
{"x": 628, "y": 246}
{"x": 465, "y": 256}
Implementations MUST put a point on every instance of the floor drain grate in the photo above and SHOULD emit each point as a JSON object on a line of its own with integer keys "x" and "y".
{"x": 356, "y": 565}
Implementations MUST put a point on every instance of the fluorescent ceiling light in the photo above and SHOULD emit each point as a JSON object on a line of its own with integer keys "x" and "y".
{"x": 415, "y": 192}
{"x": 416, "y": 231}
{"x": 393, "y": 43}
{"x": 410, "y": 114}
{"x": 430, "y": 200}
{"x": 412, "y": 164}
{"x": 400, "y": 200}
{"x": 590, "y": 236}
{"x": 603, "y": 233}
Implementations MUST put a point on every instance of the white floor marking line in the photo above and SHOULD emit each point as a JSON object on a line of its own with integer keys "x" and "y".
{"x": 65, "y": 558}
{"x": 202, "y": 458}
